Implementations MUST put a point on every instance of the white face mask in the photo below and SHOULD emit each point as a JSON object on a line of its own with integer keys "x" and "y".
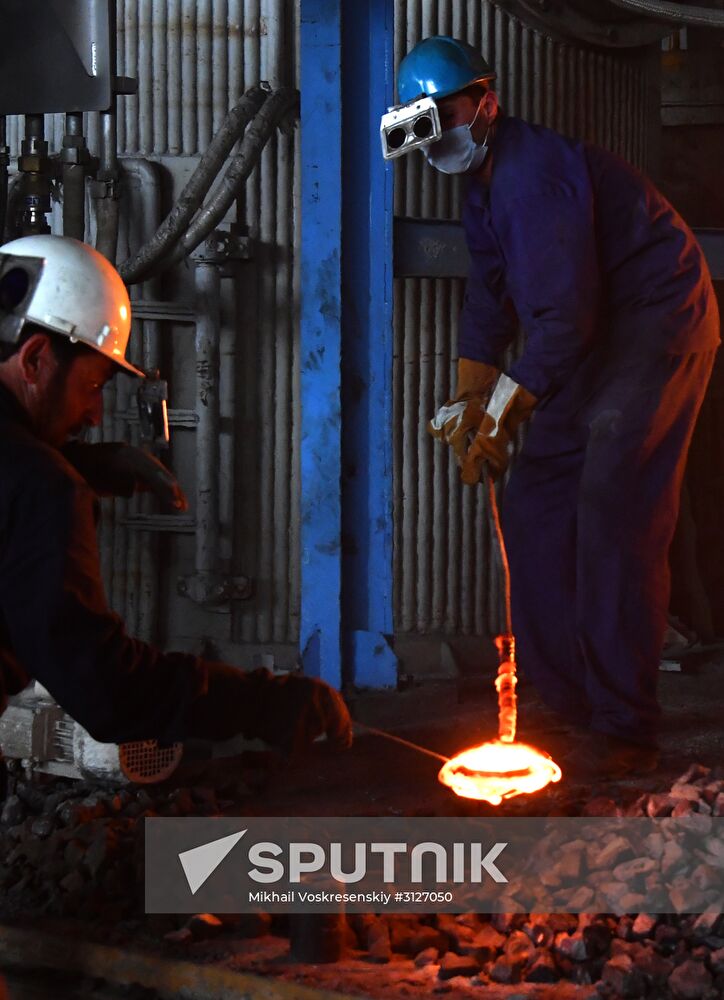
{"x": 456, "y": 152}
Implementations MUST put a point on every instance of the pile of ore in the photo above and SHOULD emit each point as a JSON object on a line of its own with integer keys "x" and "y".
{"x": 77, "y": 849}
{"x": 627, "y": 957}
{"x": 622, "y": 861}
{"x": 74, "y": 848}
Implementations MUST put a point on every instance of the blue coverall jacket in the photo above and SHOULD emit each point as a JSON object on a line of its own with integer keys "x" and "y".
{"x": 620, "y": 328}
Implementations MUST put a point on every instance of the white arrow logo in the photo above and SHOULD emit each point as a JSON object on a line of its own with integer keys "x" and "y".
{"x": 488, "y": 863}
{"x": 201, "y": 862}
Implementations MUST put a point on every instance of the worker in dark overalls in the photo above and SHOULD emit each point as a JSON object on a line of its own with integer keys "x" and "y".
{"x": 65, "y": 319}
{"x": 620, "y": 330}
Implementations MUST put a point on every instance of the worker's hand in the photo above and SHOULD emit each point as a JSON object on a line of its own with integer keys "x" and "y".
{"x": 304, "y": 709}
{"x": 510, "y": 404}
{"x": 287, "y": 711}
{"x": 491, "y": 446}
{"x": 459, "y": 418}
{"x": 150, "y": 475}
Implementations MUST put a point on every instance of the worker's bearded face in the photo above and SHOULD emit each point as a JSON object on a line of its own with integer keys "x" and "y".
{"x": 71, "y": 397}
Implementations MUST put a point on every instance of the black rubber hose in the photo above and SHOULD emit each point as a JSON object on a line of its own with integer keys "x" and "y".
{"x": 74, "y": 200}
{"x": 175, "y": 224}
{"x": 665, "y": 10}
{"x": 281, "y": 105}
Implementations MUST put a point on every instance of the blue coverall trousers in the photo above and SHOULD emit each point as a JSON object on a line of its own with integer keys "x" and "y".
{"x": 589, "y": 514}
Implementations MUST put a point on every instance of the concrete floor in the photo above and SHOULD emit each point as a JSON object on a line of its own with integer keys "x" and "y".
{"x": 380, "y": 778}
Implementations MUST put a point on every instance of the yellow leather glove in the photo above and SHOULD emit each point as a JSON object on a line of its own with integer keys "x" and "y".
{"x": 462, "y": 415}
{"x": 510, "y": 404}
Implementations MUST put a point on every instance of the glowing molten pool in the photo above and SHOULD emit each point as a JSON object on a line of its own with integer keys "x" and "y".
{"x": 495, "y": 771}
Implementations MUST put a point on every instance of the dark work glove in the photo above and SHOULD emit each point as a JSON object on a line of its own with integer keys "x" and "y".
{"x": 288, "y": 712}
{"x": 152, "y": 476}
{"x": 303, "y": 708}
{"x": 115, "y": 469}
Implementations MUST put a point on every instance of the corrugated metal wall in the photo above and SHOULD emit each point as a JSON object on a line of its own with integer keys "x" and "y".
{"x": 443, "y": 576}
{"x": 193, "y": 59}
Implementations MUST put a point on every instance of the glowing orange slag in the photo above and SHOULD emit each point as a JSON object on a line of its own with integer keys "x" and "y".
{"x": 496, "y": 771}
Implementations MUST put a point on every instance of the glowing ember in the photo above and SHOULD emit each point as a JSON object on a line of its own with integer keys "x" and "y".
{"x": 496, "y": 771}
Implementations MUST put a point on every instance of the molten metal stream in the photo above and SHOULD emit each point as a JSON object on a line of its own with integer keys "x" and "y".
{"x": 502, "y": 768}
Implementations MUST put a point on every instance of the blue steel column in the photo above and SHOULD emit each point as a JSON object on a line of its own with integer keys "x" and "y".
{"x": 321, "y": 338}
{"x": 367, "y": 90}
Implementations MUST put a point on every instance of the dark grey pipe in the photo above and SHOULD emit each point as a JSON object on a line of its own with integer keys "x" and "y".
{"x": 107, "y": 206}
{"x": 175, "y": 224}
{"x": 280, "y": 106}
{"x": 74, "y": 177}
{"x": 4, "y": 161}
{"x": 207, "y": 284}
{"x": 109, "y": 145}
{"x": 678, "y": 13}
{"x": 35, "y": 127}
{"x": 35, "y": 185}
{"x": 12, "y": 228}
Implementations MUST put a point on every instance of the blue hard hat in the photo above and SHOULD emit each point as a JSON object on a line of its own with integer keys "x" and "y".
{"x": 439, "y": 66}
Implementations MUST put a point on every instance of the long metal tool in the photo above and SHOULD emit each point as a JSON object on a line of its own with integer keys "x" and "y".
{"x": 398, "y": 739}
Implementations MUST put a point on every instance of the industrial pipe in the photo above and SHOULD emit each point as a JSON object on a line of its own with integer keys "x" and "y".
{"x": 74, "y": 157}
{"x": 35, "y": 186}
{"x": 207, "y": 284}
{"x": 4, "y": 161}
{"x": 678, "y": 13}
{"x": 106, "y": 188}
{"x": 13, "y": 208}
{"x": 134, "y": 556}
{"x": 277, "y": 108}
{"x": 175, "y": 224}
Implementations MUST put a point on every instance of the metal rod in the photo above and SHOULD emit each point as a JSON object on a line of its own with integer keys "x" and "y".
{"x": 502, "y": 553}
{"x": 107, "y": 206}
{"x": 35, "y": 127}
{"x": 74, "y": 158}
{"x": 372, "y": 731}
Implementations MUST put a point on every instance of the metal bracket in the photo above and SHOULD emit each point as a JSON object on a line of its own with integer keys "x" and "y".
{"x": 100, "y": 189}
{"x": 176, "y": 418}
{"x": 224, "y": 244}
{"x": 125, "y": 85}
{"x": 176, "y": 523}
{"x": 210, "y": 590}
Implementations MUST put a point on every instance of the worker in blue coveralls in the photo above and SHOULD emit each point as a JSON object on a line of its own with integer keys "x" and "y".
{"x": 620, "y": 330}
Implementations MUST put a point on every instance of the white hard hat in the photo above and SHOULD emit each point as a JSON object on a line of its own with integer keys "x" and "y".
{"x": 76, "y": 293}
